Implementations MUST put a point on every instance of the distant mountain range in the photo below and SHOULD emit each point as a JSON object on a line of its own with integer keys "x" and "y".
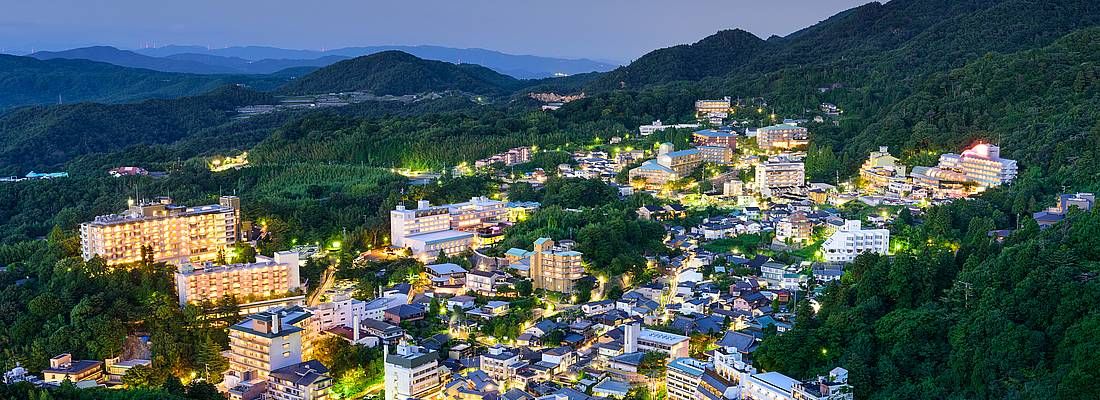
{"x": 267, "y": 60}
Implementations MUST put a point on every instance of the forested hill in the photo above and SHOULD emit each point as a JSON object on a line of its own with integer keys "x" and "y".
{"x": 901, "y": 39}
{"x": 45, "y": 137}
{"x": 400, "y": 73}
{"x": 26, "y": 81}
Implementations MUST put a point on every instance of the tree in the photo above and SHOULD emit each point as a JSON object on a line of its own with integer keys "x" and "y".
{"x": 524, "y": 287}
{"x": 208, "y": 357}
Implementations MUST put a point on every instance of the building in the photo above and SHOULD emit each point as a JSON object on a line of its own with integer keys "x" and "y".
{"x": 412, "y": 372}
{"x": 446, "y": 275}
{"x": 981, "y": 164}
{"x": 779, "y": 175}
{"x": 175, "y": 234}
{"x": 304, "y": 381}
{"x": 796, "y": 227}
{"x": 880, "y": 170}
{"x": 832, "y": 387}
{"x": 657, "y": 126}
{"x": 501, "y": 363}
{"x": 683, "y": 378}
{"x": 651, "y": 175}
{"x": 1053, "y": 215}
{"x": 720, "y": 155}
{"x": 404, "y": 312}
{"x": 262, "y": 279}
{"x": 851, "y": 240}
{"x": 711, "y": 137}
{"x": 555, "y": 268}
{"x": 63, "y": 368}
{"x": 338, "y": 308}
{"x": 476, "y": 213}
{"x": 117, "y": 368}
{"x": 262, "y": 343}
{"x": 768, "y": 386}
{"x": 485, "y": 282}
{"x": 704, "y": 108}
{"x": 636, "y": 338}
{"x": 782, "y": 137}
{"x": 682, "y": 161}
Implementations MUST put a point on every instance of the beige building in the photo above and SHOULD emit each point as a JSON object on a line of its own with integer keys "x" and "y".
{"x": 555, "y": 268}
{"x": 176, "y": 234}
{"x": 707, "y": 107}
{"x": 250, "y": 281}
{"x": 63, "y": 368}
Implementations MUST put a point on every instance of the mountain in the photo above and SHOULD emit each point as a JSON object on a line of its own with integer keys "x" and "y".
{"x": 902, "y": 39}
{"x": 26, "y": 80}
{"x": 715, "y": 55}
{"x": 45, "y": 137}
{"x": 399, "y": 73}
{"x": 518, "y": 66}
{"x": 125, "y": 58}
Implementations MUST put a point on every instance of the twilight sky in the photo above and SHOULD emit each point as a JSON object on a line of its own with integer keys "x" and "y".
{"x": 603, "y": 29}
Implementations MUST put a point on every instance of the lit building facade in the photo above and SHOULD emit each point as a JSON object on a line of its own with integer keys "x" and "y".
{"x": 710, "y": 137}
{"x": 720, "y": 155}
{"x": 683, "y": 377}
{"x": 981, "y": 164}
{"x": 261, "y": 279}
{"x": 782, "y": 137}
{"x": 707, "y": 107}
{"x": 176, "y": 234}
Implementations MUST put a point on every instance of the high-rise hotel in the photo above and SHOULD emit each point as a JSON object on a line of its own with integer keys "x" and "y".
{"x": 176, "y": 234}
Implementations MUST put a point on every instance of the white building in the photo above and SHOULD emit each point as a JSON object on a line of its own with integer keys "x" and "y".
{"x": 779, "y": 175}
{"x": 337, "y": 309}
{"x": 636, "y": 338}
{"x": 646, "y": 130}
{"x": 412, "y": 373}
{"x": 981, "y": 164}
{"x": 501, "y": 363}
{"x": 768, "y": 386}
{"x": 683, "y": 378}
{"x": 851, "y": 240}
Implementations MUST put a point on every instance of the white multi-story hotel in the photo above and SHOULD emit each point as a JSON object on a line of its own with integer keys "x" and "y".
{"x": 981, "y": 164}
{"x": 426, "y": 231}
{"x": 501, "y": 363}
{"x": 261, "y": 279}
{"x": 779, "y": 175}
{"x": 412, "y": 373}
{"x": 175, "y": 234}
{"x": 719, "y": 106}
{"x": 262, "y": 343}
{"x": 476, "y": 213}
{"x": 851, "y": 240}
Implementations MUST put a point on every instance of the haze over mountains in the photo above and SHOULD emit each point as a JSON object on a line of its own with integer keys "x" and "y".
{"x": 267, "y": 60}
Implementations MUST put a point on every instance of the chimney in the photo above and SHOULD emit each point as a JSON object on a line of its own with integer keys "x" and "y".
{"x": 355, "y": 329}
{"x": 275, "y": 323}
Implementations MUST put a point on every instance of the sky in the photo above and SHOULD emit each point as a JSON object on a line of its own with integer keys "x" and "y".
{"x": 616, "y": 30}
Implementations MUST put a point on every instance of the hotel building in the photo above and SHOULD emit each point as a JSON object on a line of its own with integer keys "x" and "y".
{"x": 426, "y": 231}
{"x": 779, "y": 175}
{"x": 555, "y": 268}
{"x": 782, "y": 137}
{"x": 682, "y": 380}
{"x": 720, "y": 155}
{"x": 711, "y": 137}
{"x": 261, "y": 279}
{"x": 851, "y": 240}
{"x": 669, "y": 166}
{"x": 981, "y": 164}
{"x": 260, "y": 344}
{"x": 175, "y": 233}
{"x": 704, "y": 108}
{"x": 412, "y": 373}
{"x": 63, "y": 368}
{"x": 657, "y": 126}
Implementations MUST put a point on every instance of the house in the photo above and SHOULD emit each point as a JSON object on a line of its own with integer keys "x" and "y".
{"x": 403, "y": 313}
{"x": 446, "y": 275}
{"x": 650, "y": 213}
{"x": 464, "y": 302}
{"x": 598, "y": 307}
{"x": 485, "y": 282}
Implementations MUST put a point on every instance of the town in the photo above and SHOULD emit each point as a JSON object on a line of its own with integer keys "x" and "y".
{"x": 748, "y": 240}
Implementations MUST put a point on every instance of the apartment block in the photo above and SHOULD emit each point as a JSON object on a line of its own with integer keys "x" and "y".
{"x": 683, "y": 378}
{"x": 711, "y": 137}
{"x": 176, "y": 234}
